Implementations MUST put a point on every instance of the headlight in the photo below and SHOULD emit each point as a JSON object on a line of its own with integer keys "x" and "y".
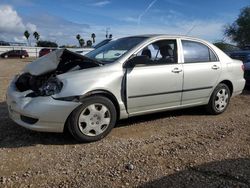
{"x": 51, "y": 87}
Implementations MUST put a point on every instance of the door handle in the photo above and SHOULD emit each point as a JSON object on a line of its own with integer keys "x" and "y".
{"x": 176, "y": 70}
{"x": 215, "y": 67}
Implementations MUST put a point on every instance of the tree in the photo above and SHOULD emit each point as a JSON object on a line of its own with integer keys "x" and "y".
{"x": 81, "y": 42}
{"x": 225, "y": 46}
{"x": 93, "y": 37}
{"x": 36, "y": 36}
{"x": 89, "y": 43}
{"x": 239, "y": 30}
{"x": 78, "y": 37}
{"x": 45, "y": 43}
{"x": 27, "y": 35}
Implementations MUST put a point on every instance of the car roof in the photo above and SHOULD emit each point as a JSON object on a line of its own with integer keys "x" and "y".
{"x": 162, "y": 35}
{"x": 156, "y": 36}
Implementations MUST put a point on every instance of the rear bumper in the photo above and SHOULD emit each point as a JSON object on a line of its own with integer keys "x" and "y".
{"x": 40, "y": 113}
{"x": 238, "y": 86}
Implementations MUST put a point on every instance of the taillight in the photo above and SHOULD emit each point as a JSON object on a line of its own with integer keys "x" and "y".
{"x": 243, "y": 67}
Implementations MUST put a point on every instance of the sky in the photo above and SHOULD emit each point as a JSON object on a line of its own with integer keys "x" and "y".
{"x": 61, "y": 20}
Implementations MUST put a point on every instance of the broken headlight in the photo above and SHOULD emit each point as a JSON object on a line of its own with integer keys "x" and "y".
{"x": 51, "y": 87}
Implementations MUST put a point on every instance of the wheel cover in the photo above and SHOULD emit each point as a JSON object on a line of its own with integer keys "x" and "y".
{"x": 221, "y": 99}
{"x": 94, "y": 119}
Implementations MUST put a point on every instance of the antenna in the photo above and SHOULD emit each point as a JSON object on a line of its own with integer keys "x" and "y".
{"x": 191, "y": 29}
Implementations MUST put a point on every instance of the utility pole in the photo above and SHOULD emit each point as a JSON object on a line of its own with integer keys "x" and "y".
{"x": 107, "y": 32}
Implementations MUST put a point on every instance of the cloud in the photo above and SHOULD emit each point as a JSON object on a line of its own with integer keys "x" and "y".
{"x": 13, "y": 26}
{"x": 210, "y": 30}
{"x": 175, "y": 2}
{"x": 58, "y": 29}
{"x": 101, "y": 3}
{"x": 10, "y": 21}
{"x": 31, "y": 27}
{"x": 145, "y": 11}
{"x": 130, "y": 19}
{"x": 63, "y": 31}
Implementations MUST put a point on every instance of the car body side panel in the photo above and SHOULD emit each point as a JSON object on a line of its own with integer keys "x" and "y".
{"x": 107, "y": 78}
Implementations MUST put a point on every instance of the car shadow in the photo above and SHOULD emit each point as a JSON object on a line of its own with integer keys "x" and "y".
{"x": 13, "y": 136}
{"x": 225, "y": 173}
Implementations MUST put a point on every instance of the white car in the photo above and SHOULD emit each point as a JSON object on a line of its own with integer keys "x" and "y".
{"x": 127, "y": 77}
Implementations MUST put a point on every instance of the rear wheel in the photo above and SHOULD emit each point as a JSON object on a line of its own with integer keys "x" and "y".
{"x": 93, "y": 120}
{"x": 6, "y": 56}
{"x": 22, "y": 56}
{"x": 219, "y": 100}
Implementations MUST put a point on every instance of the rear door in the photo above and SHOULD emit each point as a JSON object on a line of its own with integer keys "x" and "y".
{"x": 202, "y": 69}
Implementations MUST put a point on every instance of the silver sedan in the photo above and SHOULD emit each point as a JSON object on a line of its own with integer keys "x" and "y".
{"x": 127, "y": 77}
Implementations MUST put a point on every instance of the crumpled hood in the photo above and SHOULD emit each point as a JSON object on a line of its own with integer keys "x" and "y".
{"x": 44, "y": 64}
{"x": 46, "y": 68}
{"x": 58, "y": 58}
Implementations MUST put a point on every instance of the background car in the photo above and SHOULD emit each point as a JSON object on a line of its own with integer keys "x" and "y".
{"x": 3, "y": 43}
{"x": 244, "y": 56}
{"x": 15, "y": 53}
{"x": 45, "y": 51}
{"x": 87, "y": 50}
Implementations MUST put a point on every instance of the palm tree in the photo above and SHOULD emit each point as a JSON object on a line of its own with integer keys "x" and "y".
{"x": 89, "y": 43}
{"x": 78, "y": 37}
{"x": 27, "y": 35}
{"x": 93, "y": 37}
{"x": 36, "y": 36}
{"x": 81, "y": 42}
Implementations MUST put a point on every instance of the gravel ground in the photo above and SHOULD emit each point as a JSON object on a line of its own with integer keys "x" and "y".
{"x": 185, "y": 148}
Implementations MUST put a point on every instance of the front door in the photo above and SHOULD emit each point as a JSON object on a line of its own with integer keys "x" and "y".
{"x": 157, "y": 84}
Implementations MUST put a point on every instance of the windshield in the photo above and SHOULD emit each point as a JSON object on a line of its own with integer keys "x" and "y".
{"x": 106, "y": 41}
{"x": 114, "y": 49}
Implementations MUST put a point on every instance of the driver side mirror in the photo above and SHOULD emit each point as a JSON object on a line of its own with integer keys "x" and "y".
{"x": 137, "y": 60}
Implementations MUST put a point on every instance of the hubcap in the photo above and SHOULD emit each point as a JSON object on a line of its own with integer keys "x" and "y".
{"x": 94, "y": 119}
{"x": 221, "y": 99}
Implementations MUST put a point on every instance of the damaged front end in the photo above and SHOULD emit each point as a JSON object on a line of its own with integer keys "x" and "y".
{"x": 40, "y": 76}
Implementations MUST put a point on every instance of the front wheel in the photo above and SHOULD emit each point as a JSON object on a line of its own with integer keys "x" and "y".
{"x": 219, "y": 100}
{"x": 92, "y": 120}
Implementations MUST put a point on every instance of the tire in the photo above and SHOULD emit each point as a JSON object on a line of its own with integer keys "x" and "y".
{"x": 22, "y": 57}
{"x": 92, "y": 120}
{"x": 219, "y": 100}
{"x": 5, "y": 56}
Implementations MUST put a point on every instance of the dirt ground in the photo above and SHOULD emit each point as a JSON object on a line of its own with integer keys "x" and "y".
{"x": 185, "y": 148}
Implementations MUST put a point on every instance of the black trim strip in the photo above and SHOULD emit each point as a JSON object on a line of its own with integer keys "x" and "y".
{"x": 170, "y": 92}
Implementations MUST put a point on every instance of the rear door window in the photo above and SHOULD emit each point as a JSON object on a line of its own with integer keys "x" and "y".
{"x": 195, "y": 52}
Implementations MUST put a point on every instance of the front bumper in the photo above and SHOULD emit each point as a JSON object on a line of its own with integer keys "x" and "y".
{"x": 49, "y": 114}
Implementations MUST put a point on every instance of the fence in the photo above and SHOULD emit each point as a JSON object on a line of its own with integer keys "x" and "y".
{"x": 34, "y": 51}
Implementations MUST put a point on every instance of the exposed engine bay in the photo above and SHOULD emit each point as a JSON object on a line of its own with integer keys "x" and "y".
{"x": 40, "y": 75}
